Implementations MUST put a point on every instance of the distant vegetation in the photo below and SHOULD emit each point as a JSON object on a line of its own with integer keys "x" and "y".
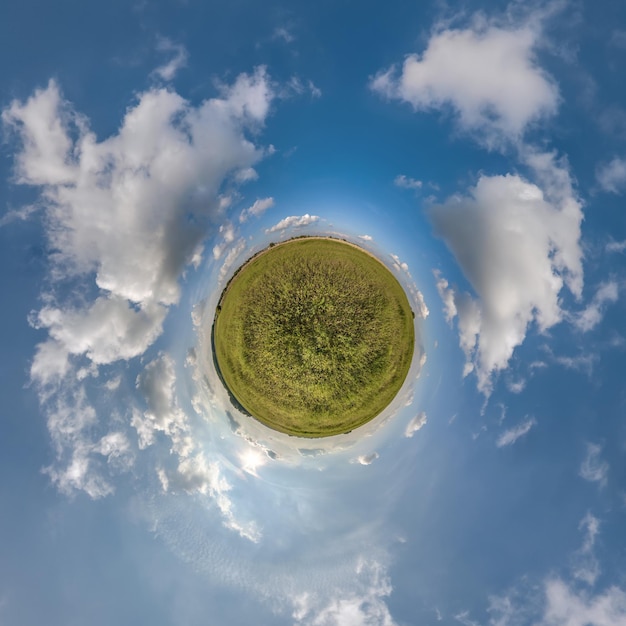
{"x": 313, "y": 337}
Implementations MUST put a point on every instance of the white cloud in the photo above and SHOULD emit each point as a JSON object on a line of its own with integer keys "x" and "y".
{"x": 510, "y": 436}
{"x": 23, "y": 213}
{"x": 612, "y": 176}
{"x": 232, "y": 255}
{"x": 124, "y": 216}
{"x": 296, "y": 86}
{"x": 110, "y": 329}
{"x": 246, "y": 175}
{"x": 406, "y": 182}
{"x": 592, "y": 315}
{"x": 120, "y": 207}
{"x": 422, "y": 308}
{"x": 227, "y": 234}
{"x": 558, "y": 602}
{"x": 157, "y": 383}
{"x": 178, "y": 59}
{"x": 567, "y": 607}
{"x": 399, "y": 265}
{"x": 488, "y": 74}
{"x": 366, "y": 459}
{"x": 366, "y": 237}
{"x": 293, "y": 221}
{"x": 516, "y": 386}
{"x": 196, "y": 474}
{"x": 415, "y": 424}
{"x": 561, "y": 604}
{"x": 363, "y": 607}
{"x": 316, "y": 92}
{"x": 517, "y": 245}
{"x": 616, "y": 246}
{"x": 586, "y": 567}
{"x": 282, "y": 32}
{"x": 80, "y": 475}
{"x": 593, "y": 467}
{"x": 85, "y": 461}
{"x": 256, "y": 209}
{"x": 582, "y": 362}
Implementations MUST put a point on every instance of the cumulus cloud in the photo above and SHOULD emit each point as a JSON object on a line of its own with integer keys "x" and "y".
{"x": 257, "y": 208}
{"x": 418, "y": 422}
{"x": 510, "y": 436}
{"x": 227, "y": 236}
{"x": 121, "y": 207}
{"x": 108, "y": 330}
{"x": 594, "y": 468}
{"x": 366, "y": 459}
{"x": 612, "y": 176}
{"x": 157, "y": 383}
{"x": 124, "y": 216}
{"x": 487, "y": 73}
{"x": 422, "y": 308}
{"x": 293, "y": 221}
{"x": 399, "y": 265}
{"x": 518, "y": 246}
{"x": 592, "y": 315}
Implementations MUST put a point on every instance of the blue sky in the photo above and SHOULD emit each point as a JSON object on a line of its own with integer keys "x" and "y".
{"x": 479, "y": 149}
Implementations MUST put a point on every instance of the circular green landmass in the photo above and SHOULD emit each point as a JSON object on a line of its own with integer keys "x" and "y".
{"x": 313, "y": 337}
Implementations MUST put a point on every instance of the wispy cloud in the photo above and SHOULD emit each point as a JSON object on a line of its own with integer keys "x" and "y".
{"x": 364, "y": 606}
{"x": 591, "y": 316}
{"x": 594, "y": 468}
{"x": 284, "y": 33}
{"x": 406, "y": 182}
{"x": 178, "y": 58}
{"x": 257, "y": 208}
{"x": 612, "y": 176}
{"x": 581, "y": 362}
{"x": 585, "y": 565}
{"x": 616, "y": 246}
{"x": 510, "y": 436}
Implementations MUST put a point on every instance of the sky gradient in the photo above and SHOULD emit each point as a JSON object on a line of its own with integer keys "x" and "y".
{"x": 478, "y": 149}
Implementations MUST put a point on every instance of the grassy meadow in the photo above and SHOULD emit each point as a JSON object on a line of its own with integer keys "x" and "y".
{"x": 313, "y": 337}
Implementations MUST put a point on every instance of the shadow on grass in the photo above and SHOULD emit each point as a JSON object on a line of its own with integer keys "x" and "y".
{"x": 232, "y": 398}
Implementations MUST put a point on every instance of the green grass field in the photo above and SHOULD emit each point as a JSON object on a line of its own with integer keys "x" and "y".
{"x": 313, "y": 337}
